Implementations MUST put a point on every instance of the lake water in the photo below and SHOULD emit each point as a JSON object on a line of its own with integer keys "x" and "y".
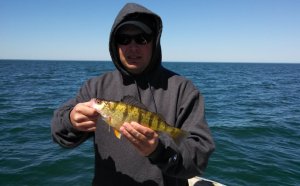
{"x": 253, "y": 111}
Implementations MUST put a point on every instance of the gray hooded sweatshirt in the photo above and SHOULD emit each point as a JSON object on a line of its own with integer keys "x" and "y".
{"x": 162, "y": 91}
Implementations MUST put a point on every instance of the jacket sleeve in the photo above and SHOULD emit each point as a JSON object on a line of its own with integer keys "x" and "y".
{"x": 190, "y": 157}
{"x": 62, "y": 129}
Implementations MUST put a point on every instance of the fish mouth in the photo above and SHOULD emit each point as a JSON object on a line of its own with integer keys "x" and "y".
{"x": 98, "y": 104}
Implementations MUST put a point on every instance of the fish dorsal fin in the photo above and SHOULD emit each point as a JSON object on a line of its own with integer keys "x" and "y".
{"x": 133, "y": 101}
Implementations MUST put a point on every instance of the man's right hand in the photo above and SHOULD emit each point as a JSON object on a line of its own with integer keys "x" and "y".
{"x": 84, "y": 117}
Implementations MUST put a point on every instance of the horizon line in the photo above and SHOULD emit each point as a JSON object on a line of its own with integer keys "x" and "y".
{"x": 164, "y": 61}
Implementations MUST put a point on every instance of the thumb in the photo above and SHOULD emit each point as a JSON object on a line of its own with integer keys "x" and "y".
{"x": 90, "y": 103}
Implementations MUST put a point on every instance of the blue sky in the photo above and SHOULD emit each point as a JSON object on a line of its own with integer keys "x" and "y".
{"x": 195, "y": 30}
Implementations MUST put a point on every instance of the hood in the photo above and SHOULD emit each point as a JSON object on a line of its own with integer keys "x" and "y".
{"x": 128, "y": 12}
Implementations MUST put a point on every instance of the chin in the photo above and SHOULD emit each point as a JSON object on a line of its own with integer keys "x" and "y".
{"x": 135, "y": 70}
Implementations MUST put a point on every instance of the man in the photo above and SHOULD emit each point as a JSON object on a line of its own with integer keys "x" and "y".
{"x": 141, "y": 156}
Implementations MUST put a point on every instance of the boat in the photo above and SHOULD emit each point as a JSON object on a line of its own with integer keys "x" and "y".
{"x": 199, "y": 181}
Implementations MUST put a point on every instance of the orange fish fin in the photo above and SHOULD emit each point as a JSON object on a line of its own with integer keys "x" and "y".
{"x": 117, "y": 134}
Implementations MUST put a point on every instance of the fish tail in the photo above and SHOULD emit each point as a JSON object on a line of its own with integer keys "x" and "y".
{"x": 178, "y": 135}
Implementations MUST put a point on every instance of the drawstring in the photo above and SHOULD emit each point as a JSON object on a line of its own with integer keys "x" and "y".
{"x": 138, "y": 90}
{"x": 151, "y": 91}
{"x": 152, "y": 95}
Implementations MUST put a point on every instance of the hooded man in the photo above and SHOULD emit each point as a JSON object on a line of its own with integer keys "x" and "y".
{"x": 141, "y": 156}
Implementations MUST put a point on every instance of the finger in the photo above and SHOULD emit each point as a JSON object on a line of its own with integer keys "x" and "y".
{"x": 134, "y": 131}
{"x": 127, "y": 135}
{"x": 131, "y": 138}
{"x": 147, "y": 132}
{"x": 90, "y": 112}
{"x": 79, "y": 117}
{"x": 92, "y": 129}
{"x": 150, "y": 137}
{"x": 86, "y": 126}
{"x": 144, "y": 146}
{"x": 88, "y": 103}
{"x": 85, "y": 109}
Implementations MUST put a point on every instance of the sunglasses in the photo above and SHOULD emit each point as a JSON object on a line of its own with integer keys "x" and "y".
{"x": 140, "y": 39}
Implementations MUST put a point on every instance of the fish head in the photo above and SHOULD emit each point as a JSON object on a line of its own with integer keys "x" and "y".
{"x": 100, "y": 106}
{"x": 103, "y": 108}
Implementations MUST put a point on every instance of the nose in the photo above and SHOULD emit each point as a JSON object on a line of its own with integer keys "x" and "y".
{"x": 133, "y": 45}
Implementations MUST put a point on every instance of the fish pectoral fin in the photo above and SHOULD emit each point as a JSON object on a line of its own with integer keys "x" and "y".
{"x": 117, "y": 134}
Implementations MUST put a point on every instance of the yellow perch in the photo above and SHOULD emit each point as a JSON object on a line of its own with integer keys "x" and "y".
{"x": 128, "y": 110}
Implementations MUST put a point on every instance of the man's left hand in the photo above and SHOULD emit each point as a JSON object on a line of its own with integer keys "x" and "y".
{"x": 143, "y": 138}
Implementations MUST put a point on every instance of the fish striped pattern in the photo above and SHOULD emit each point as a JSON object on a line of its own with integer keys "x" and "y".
{"x": 116, "y": 113}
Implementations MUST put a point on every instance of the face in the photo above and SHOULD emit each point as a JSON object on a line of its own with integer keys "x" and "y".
{"x": 134, "y": 54}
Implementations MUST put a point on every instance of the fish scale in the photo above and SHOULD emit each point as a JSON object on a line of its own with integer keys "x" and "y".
{"x": 115, "y": 113}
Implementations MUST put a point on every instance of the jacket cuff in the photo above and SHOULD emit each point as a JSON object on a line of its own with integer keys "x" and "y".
{"x": 164, "y": 156}
{"x": 67, "y": 120}
{"x": 157, "y": 155}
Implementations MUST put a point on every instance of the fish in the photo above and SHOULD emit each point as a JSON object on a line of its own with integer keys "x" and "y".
{"x": 115, "y": 113}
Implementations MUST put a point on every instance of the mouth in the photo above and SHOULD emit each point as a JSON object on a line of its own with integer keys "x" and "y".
{"x": 133, "y": 57}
